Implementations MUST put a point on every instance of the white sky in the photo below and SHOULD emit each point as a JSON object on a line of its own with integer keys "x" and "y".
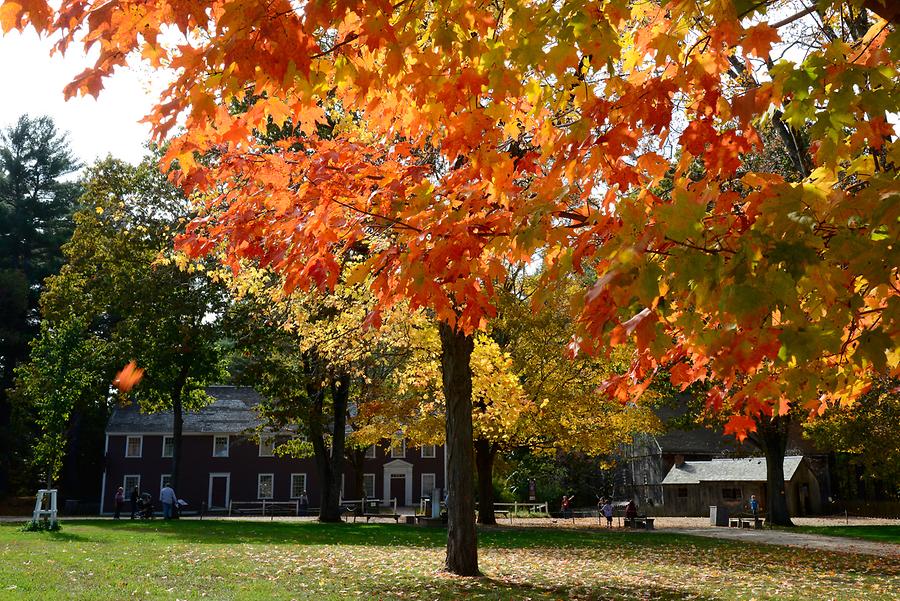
{"x": 33, "y": 84}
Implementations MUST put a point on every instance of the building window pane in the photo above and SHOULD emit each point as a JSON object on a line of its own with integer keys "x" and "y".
{"x": 298, "y": 485}
{"x": 130, "y": 483}
{"x": 428, "y": 483}
{"x": 398, "y": 449}
{"x": 220, "y": 446}
{"x": 134, "y": 446}
{"x": 682, "y": 492}
{"x": 369, "y": 485}
{"x": 428, "y": 451}
{"x": 168, "y": 449}
{"x": 164, "y": 481}
{"x": 267, "y": 446}
{"x": 265, "y": 486}
{"x": 370, "y": 452}
{"x": 731, "y": 494}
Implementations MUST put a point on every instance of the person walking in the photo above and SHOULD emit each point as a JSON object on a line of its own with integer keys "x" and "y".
{"x": 565, "y": 505}
{"x": 168, "y": 499}
{"x": 135, "y": 495}
{"x": 120, "y": 501}
{"x": 304, "y": 503}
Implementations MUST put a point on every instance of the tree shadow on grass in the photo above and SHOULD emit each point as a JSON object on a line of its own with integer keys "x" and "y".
{"x": 449, "y": 587}
{"x": 216, "y": 532}
{"x": 63, "y": 536}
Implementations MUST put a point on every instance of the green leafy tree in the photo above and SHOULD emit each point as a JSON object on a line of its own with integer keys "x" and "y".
{"x": 63, "y": 378}
{"x": 151, "y": 305}
{"x": 866, "y": 434}
{"x": 36, "y": 209}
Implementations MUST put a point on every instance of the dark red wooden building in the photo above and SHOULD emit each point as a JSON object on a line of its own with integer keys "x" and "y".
{"x": 224, "y": 460}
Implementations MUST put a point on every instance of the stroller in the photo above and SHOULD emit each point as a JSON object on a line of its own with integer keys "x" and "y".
{"x": 145, "y": 507}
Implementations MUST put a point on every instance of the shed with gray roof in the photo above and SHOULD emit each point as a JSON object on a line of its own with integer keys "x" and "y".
{"x": 691, "y": 487}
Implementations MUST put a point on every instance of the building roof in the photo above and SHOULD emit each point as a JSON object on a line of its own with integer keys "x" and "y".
{"x": 695, "y": 440}
{"x": 232, "y": 411}
{"x": 749, "y": 469}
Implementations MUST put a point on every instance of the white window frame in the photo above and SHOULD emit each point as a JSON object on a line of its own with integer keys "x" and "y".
{"x": 370, "y": 452}
{"x": 259, "y": 478}
{"x": 140, "y": 454}
{"x": 367, "y": 477}
{"x": 422, "y": 483}
{"x": 125, "y": 483}
{"x": 302, "y": 488}
{"x": 162, "y": 480}
{"x": 227, "y": 444}
{"x": 430, "y": 455}
{"x": 170, "y": 454}
{"x": 402, "y": 453}
{"x": 265, "y": 440}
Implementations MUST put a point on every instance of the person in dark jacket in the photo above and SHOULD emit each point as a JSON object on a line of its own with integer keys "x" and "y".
{"x": 135, "y": 495}
{"x": 630, "y": 511}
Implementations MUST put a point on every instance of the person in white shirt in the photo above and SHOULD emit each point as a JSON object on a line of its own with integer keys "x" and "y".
{"x": 168, "y": 500}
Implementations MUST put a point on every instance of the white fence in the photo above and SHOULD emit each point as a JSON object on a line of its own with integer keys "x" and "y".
{"x": 270, "y": 508}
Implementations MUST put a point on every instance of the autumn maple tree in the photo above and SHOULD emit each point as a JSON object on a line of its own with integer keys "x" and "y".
{"x": 472, "y": 136}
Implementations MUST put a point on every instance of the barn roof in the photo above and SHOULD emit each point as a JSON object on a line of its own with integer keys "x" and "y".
{"x": 232, "y": 411}
{"x": 688, "y": 439}
{"x": 749, "y": 469}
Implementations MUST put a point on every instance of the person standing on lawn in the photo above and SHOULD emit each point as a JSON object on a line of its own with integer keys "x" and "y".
{"x": 304, "y": 503}
{"x": 607, "y": 510}
{"x": 135, "y": 495}
{"x": 168, "y": 499}
{"x": 120, "y": 501}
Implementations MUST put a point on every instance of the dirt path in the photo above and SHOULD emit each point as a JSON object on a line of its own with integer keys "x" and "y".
{"x": 819, "y": 542}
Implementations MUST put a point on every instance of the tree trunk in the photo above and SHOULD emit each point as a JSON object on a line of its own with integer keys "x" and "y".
{"x": 316, "y": 395}
{"x": 485, "y": 452}
{"x": 331, "y": 503}
{"x": 356, "y": 458}
{"x": 456, "y": 371}
{"x": 773, "y": 436}
{"x": 329, "y": 468}
{"x": 178, "y": 423}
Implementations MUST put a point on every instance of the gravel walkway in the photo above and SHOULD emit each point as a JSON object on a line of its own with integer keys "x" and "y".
{"x": 818, "y": 542}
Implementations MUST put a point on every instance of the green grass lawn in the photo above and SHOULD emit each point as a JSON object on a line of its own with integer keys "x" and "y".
{"x": 264, "y": 560}
{"x": 882, "y": 534}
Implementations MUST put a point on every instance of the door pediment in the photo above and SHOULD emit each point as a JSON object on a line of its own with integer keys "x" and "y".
{"x": 398, "y": 464}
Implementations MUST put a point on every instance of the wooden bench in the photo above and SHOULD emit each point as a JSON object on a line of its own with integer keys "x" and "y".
{"x": 387, "y": 513}
{"x": 642, "y": 522}
{"x": 745, "y": 521}
{"x": 373, "y": 509}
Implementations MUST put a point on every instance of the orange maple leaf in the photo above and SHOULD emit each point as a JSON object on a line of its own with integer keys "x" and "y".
{"x": 758, "y": 40}
{"x": 128, "y": 377}
{"x": 740, "y": 426}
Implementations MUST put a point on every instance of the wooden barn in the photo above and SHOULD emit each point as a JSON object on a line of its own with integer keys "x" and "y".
{"x": 691, "y": 487}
